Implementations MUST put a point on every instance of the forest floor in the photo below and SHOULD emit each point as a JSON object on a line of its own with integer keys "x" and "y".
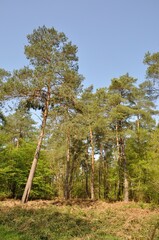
{"x": 78, "y": 220}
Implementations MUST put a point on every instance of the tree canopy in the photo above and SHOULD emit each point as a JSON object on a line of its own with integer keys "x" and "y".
{"x": 98, "y": 144}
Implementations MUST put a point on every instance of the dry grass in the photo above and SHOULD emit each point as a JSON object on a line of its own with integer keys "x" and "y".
{"x": 127, "y": 221}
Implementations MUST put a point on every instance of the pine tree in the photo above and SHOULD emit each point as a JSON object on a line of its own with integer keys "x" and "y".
{"x": 52, "y": 79}
{"x": 122, "y": 102}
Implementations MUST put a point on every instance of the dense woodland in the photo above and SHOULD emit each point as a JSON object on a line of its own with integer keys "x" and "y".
{"x": 97, "y": 144}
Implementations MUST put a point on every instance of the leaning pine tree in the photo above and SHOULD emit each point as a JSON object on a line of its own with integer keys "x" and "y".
{"x": 52, "y": 80}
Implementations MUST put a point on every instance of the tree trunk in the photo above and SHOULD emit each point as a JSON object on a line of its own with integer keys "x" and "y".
{"x": 100, "y": 173}
{"x": 87, "y": 189}
{"x": 105, "y": 179}
{"x": 126, "y": 188}
{"x": 92, "y": 165}
{"x": 120, "y": 171}
{"x": 99, "y": 179}
{"x": 37, "y": 152}
{"x": 66, "y": 188}
{"x": 126, "y": 183}
{"x": 87, "y": 185}
{"x": 72, "y": 171}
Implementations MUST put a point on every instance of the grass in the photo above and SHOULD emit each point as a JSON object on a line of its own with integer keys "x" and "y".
{"x": 78, "y": 220}
{"x": 8, "y": 234}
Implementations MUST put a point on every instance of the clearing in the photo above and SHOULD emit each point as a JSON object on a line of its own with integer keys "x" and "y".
{"x": 78, "y": 220}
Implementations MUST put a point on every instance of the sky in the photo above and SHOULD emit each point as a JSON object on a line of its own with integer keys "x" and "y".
{"x": 112, "y": 36}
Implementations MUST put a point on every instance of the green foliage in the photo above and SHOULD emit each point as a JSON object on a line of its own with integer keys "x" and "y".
{"x": 4, "y": 75}
{"x": 14, "y": 164}
{"x": 95, "y": 139}
{"x": 152, "y": 60}
{"x": 136, "y": 150}
{"x": 43, "y": 186}
{"x": 153, "y": 167}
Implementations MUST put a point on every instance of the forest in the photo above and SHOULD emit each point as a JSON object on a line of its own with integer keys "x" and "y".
{"x": 87, "y": 143}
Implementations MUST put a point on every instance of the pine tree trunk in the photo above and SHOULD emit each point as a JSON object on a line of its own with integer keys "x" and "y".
{"x": 120, "y": 178}
{"x": 72, "y": 171}
{"x": 126, "y": 188}
{"x": 106, "y": 186}
{"x": 36, "y": 155}
{"x": 100, "y": 174}
{"x": 87, "y": 185}
{"x": 86, "y": 171}
{"x": 92, "y": 165}
{"x": 126, "y": 183}
{"x": 66, "y": 188}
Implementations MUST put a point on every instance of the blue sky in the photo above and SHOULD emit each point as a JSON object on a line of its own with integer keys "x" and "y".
{"x": 112, "y": 35}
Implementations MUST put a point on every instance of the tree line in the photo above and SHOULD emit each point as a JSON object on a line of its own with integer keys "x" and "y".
{"x": 98, "y": 144}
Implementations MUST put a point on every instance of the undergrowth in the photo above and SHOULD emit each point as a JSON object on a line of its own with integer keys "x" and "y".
{"x": 94, "y": 221}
